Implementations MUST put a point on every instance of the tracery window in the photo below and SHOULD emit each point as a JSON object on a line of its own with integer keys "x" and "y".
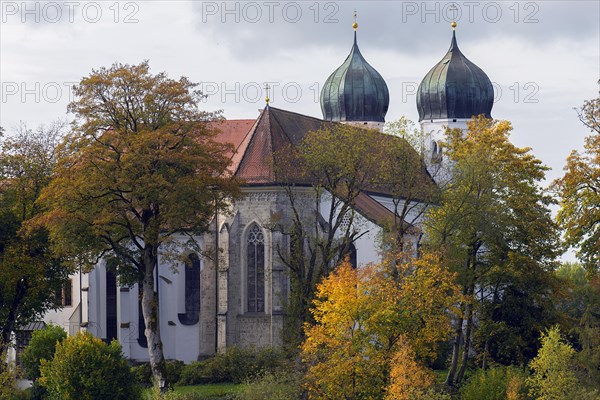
{"x": 255, "y": 270}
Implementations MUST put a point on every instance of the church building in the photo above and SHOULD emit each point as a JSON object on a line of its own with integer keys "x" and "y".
{"x": 237, "y": 297}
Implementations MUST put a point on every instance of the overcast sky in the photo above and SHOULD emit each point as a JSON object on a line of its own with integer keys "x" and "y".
{"x": 543, "y": 56}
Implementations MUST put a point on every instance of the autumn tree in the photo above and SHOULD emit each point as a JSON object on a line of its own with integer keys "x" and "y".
{"x": 404, "y": 177}
{"x": 553, "y": 377}
{"x": 495, "y": 228}
{"x": 365, "y": 321}
{"x": 322, "y": 178}
{"x": 579, "y": 192}
{"x": 30, "y": 274}
{"x": 139, "y": 167}
{"x": 334, "y": 168}
{"x": 409, "y": 379}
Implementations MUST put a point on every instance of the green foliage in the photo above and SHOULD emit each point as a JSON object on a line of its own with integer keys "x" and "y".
{"x": 41, "y": 347}
{"x": 579, "y": 192}
{"x": 339, "y": 160}
{"x": 553, "y": 377}
{"x": 282, "y": 385}
{"x": 407, "y": 130}
{"x": 433, "y": 394}
{"x": 496, "y": 383}
{"x": 8, "y": 376}
{"x": 29, "y": 274}
{"x": 85, "y": 367}
{"x": 139, "y": 166}
{"x": 581, "y": 306}
{"x": 412, "y": 191}
{"x": 217, "y": 391}
{"x": 495, "y": 227}
{"x": 234, "y": 365}
{"x": 143, "y": 372}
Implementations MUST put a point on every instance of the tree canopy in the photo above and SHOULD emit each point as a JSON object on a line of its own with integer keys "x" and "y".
{"x": 497, "y": 233}
{"x": 139, "y": 168}
{"x": 369, "y": 325}
{"x": 30, "y": 274}
{"x": 579, "y": 192}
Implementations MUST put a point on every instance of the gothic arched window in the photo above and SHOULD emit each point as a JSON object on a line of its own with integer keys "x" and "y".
{"x": 192, "y": 291}
{"x": 255, "y": 270}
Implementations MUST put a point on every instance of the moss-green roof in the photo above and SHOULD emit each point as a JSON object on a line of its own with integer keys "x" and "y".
{"x": 455, "y": 88}
{"x": 355, "y": 91}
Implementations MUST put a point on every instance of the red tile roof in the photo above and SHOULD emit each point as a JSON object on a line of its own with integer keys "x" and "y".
{"x": 232, "y": 131}
{"x": 259, "y": 142}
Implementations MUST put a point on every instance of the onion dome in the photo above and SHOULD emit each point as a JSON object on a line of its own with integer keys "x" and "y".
{"x": 355, "y": 91}
{"x": 455, "y": 88}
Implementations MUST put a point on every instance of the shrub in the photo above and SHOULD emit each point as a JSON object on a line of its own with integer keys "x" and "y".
{"x": 8, "y": 376}
{"x": 84, "y": 367}
{"x": 143, "y": 373}
{"x": 41, "y": 347}
{"x": 274, "y": 386}
{"x": 496, "y": 383}
{"x": 174, "y": 368}
{"x": 234, "y": 365}
{"x": 192, "y": 374}
{"x": 432, "y": 394}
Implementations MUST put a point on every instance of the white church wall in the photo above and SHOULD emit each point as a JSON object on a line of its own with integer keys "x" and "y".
{"x": 367, "y": 248}
{"x": 437, "y": 164}
{"x": 180, "y": 342}
{"x": 414, "y": 215}
{"x": 69, "y": 315}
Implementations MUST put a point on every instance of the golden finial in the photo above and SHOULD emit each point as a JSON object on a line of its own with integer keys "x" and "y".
{"x": 267, "y": 99}
{"x": 355, "y": 24}
{"x": 454, "y": 10}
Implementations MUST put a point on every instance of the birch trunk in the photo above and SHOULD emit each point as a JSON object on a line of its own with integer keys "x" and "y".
{"x": 467, "y": 344}
{"x": 150, "y": 312}
{"x": 455, "y": 351}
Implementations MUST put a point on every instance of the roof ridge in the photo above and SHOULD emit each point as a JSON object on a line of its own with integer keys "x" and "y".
{"x": 246, "y": 140}
{"x": 295, "y": 113}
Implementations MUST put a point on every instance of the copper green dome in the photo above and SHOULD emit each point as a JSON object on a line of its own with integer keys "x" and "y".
{"x": 455, "y": 88}
{"x": 355, "y": 91}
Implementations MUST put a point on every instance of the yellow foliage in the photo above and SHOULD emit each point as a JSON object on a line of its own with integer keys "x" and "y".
{"x": 408, "y": 378}
{"x": 361, "y": 317}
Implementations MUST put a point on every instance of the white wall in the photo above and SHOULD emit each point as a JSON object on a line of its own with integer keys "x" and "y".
{"x": 180, "y": 342}
{"x": 67, "y": 317}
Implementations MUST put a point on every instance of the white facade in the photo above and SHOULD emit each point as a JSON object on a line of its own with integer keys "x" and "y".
{"x": 438, "y": 165}
{"x": 224, "y": 317}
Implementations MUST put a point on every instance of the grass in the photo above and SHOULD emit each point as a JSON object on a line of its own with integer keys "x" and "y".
{"x": 440, "y": 375}
{"x": 208, "y": 391}
{"x": 215, "y": 389}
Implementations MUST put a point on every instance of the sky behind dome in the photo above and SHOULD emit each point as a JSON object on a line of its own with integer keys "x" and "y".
{"x": 542, "y": 56}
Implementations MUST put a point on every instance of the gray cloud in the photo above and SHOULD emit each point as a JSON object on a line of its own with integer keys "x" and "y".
{"x": 403, "y": 26}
